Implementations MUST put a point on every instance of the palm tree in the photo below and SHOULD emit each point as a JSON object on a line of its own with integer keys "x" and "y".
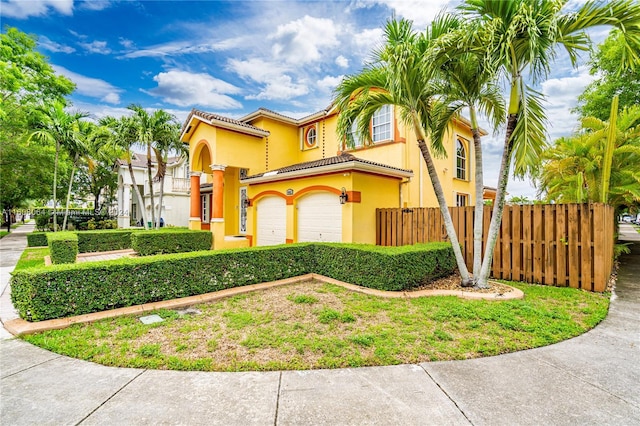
{"x": 169, "y": 143}
{"x": 77, "y": 148}
{"x": 151, "y": 129}
{"x": 122, "y": 136}
{"x": 465, "y": 81}
{"x": 520, "y": 37}
{"x": 397, "y": 77}
{"x": 57, "y": 126}
{"x": 574, "y": 168}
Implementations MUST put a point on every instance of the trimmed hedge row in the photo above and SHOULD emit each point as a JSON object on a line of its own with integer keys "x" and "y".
{"x": 108, "y": 240}
{"x": 161, "y": 241}
{"x": 37, "y": 239}
{"x": 65, "y": 290}
{"x": 63, "y": 247}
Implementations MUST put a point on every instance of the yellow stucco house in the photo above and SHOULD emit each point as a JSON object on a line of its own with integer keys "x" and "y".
{"x": 268, "y": 179}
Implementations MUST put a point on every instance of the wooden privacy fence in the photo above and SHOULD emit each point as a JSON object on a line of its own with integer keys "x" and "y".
{"x": 555, "y": 244}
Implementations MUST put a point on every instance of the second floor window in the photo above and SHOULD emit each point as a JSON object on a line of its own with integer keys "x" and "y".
{"x": 461, "y": 160}
{"x": 353, "y": 134}
{"x": 310, "y": 137}
{"x": 381, "y": 124}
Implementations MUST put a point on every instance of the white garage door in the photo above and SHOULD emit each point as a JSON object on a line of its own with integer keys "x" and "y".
{"x": 272, "y": 221}
{"x": 320, "y": 218}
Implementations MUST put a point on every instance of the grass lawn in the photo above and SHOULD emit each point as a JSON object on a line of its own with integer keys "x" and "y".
{"x": 317, "y": 325}
{"x": 32, "y": 257}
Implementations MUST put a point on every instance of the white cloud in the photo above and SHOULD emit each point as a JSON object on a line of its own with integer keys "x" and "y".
{"x": 92, "y": 87}
{"x": 181, "y": 48}
{"x": 184, "y": 88}
{"x": 96, "y": 5}
{"x": 304, "y": 40}
{"x": 281, "y": 87}
{"x": 562, "y": 94}
{"x": 329, "y": 83}
{"x": 96, "y": 46}
{"x": 50, "y": 45}
{"x": 22, "y": 9}
{"x": 342, "y": 62}
{"x": 256, "y": 69}
{"x": 126, "y": 43}
{"x": 419, "y": 11}
{"x": 367, "y": 40}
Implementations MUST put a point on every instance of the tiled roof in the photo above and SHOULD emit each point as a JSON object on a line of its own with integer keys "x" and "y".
{"x": 215, "y": 117}
{"x": 339, "y": 159}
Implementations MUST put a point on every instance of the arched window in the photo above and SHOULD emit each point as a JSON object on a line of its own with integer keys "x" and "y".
{"x": 310, "y": 137}
{"x": 353, "y": 133}
{"x": 461, "y": 160}
{"x": 381, "y": 124}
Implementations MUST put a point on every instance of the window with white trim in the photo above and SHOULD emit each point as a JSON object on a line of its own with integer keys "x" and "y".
{"x": 461, "y": 160}
{"x": 381, "y": 124}
{"x": 353, "y": 134}
{"x": 462, "y": 200}
{"x": 310, "y": 137}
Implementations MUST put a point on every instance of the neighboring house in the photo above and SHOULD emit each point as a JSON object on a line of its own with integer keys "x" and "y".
{"x": 269, "y": 179}
{"x": 175, "y": 201}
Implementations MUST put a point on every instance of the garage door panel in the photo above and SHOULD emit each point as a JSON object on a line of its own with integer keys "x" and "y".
{"x": 320, "y": 218}
{"x": 271, "y": 221}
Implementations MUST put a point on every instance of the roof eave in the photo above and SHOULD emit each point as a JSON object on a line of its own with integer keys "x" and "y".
{"x": 332, "y": 168}
{"x": 224, "y": 125}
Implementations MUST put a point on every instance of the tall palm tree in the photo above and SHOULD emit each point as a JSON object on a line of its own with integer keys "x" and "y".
{"x": 123, "y": 136}
{"x": 150, "y": 129}
{"x": 168, "y": 143}
{"x": 520, "y": 38}
{"x": 57, "y": 126}
{"x": 465, "y": 81}
{"x": 77, "y": 148}
{"x": 397, "y": 77}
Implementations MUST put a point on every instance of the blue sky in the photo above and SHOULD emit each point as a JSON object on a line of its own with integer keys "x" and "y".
{"x": 232, "y": 57}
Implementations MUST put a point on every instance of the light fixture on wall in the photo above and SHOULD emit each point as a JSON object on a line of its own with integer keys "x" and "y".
{"x": 343, "y": 196}
{"x": 246, "y": 203}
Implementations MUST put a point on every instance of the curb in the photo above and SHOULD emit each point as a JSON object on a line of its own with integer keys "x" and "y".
{"x": 18, "y": 327}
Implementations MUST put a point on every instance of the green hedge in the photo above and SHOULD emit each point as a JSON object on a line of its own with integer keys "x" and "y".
{"x": 148, "y": 243}
{"x": 108, "y": 240}
{"x": 385, "y": 268}
{"x": 37, "y": 239}
{"x": 65, "y": 290}
{"x": 63, "y": 247}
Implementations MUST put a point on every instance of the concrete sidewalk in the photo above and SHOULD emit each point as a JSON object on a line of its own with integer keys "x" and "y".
{"x": 591, "y": 379}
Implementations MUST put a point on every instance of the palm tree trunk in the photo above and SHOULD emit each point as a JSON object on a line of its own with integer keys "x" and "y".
{"x": 137, "y": 190}
{"x": 442, "y": 202}
{"x": 153, "y": 211}
{"x": 498, "y": 208}
{"x": 55, "y": 185}
{"x": 66, "y": 210}
{"x": 479, "y": 206}
{"x": 160, "y": 196}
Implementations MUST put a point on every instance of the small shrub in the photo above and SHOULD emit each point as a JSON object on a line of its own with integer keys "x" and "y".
{"x": 63, "y": 247}
{"x": 37, "y": 239}
{"x": 42, "y": 221}
{"x": 163, "y": 241}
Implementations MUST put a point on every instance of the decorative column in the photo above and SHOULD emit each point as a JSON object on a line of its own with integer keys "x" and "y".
{"x": 217, "y": 206}
{"x": 217, "y": 211}
{"x": 195, "y": 220}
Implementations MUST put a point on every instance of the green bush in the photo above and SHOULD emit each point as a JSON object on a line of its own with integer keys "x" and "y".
{"x": 63, "y": 247}
{"x": 37, "y": 239}
{"x": 176, "y": 241}
{"x": 107, "y": 240}
{"x": 42, "y": 221}
{"x": 65, "y": 290}
{"x": 385, "y": 268}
